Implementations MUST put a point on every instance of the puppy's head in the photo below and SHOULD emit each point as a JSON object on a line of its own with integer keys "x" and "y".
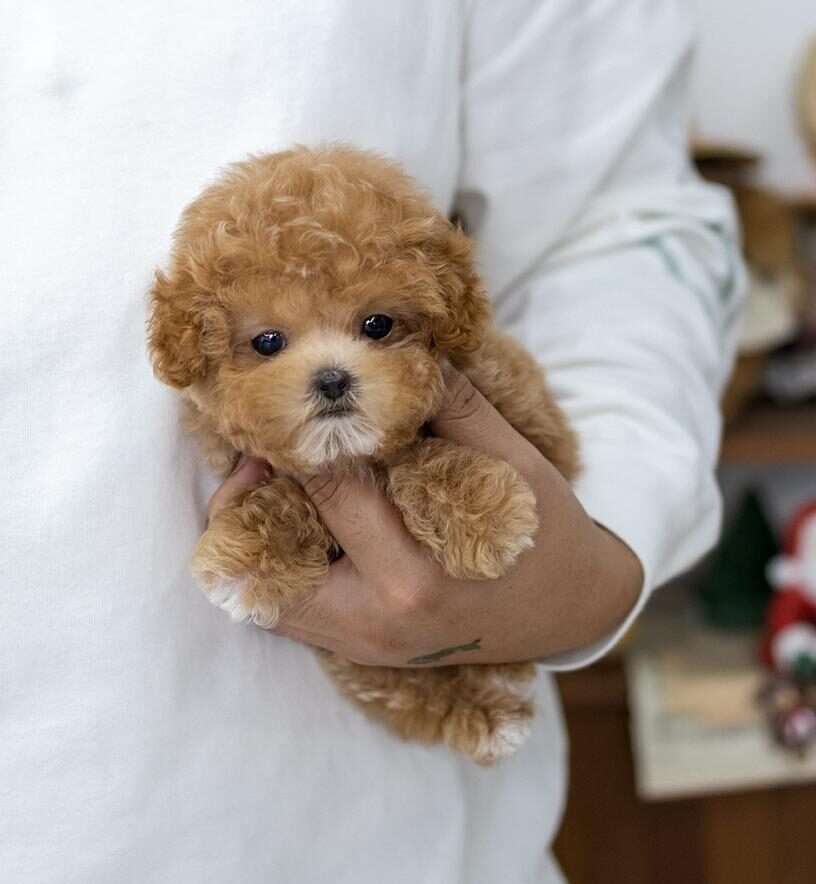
{"x": 309, "y": 301}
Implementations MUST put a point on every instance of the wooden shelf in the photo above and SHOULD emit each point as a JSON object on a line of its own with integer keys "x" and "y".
{"x": 804, "y": 204}
{"x": 771, "y": 434}
{"x": 726, "y": 152}
{"x": 602, "y": 685}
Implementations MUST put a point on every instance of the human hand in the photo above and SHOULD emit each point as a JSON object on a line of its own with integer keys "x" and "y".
{"x": 386, "y": 602}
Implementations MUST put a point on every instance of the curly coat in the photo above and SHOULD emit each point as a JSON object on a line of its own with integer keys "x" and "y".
{"x": 309, "y": 243}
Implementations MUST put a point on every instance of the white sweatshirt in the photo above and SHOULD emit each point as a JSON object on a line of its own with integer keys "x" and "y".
{"x": 146, "y": 738}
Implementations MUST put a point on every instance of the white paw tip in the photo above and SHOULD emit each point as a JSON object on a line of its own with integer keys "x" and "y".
{"x": 503, "y": 741}
{"x": 526, "y": 542}
{"x": 509, "y": 736}
{"x": 508, "y": 557}
{"x": 228, "y": 593}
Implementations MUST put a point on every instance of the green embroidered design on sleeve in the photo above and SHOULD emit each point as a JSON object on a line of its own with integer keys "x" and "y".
{"x": 475, "y": 645}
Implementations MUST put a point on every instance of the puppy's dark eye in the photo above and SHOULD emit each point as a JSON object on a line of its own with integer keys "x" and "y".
{"x": 269, "y": 343}
{"x": 377, "y": 326}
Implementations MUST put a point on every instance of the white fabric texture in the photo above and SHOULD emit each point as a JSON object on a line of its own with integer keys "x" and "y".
{"x": 146, "y": 737}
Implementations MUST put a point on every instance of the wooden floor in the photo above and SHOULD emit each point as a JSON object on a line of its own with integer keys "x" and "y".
{"x": 609, "y": 836}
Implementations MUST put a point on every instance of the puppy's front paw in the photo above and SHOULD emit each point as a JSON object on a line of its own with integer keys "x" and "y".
{"x": 231, "y": 594}
{"x": 263, "y": 553}
{"x": 476, "y": 514}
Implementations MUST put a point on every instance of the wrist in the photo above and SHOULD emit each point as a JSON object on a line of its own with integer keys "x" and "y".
{"x": 619, "y": 582}
{"x": 609, "y": 590}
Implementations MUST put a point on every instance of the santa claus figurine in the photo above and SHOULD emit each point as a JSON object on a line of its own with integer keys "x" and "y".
{"x": 790, "y": 645}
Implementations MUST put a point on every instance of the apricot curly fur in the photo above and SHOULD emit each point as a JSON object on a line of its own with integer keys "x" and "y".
{"x": 509, "y": 377}
{"x": 310, "y": 242}
{"x": 481, "y": 711}
{"x": 475, "y": 514}
{"x": 272, "y": 543}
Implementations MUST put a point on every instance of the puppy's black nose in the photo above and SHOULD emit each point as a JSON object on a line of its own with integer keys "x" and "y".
{"x": 332, "y": 383}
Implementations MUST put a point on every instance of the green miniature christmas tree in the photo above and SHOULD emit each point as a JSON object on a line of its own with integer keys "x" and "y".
{"x": 734, "y": 590}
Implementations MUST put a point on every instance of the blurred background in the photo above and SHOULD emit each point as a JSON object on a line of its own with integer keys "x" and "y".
{"x": 701, "y": 728}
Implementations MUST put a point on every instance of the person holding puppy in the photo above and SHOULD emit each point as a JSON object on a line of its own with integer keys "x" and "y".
{"x": 146, "y": 737}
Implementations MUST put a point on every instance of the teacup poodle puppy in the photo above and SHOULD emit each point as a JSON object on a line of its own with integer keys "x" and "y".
{"x": 311, "y": 300}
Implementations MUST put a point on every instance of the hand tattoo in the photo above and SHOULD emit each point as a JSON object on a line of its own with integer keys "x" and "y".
{"x": 475, "y": 645}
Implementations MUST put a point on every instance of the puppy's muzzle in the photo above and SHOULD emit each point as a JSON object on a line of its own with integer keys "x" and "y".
{"x": 333, "y": 383}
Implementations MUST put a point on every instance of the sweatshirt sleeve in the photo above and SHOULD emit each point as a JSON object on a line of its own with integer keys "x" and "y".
{"x": 606, "y": 255}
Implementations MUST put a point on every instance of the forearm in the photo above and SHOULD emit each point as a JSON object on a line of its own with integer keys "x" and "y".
{"x": 586, "y": 580}
{"x": 607, "y": 257}
{"x": 636, "y": 352}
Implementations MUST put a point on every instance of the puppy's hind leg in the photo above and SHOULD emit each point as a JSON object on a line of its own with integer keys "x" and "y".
{"x": 481, "y": 711}
{"x": 264, "y": 552}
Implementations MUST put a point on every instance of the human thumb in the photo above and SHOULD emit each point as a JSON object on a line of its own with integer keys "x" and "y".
{"x": 247, "y": 473}
{"x": 467, "y": 418}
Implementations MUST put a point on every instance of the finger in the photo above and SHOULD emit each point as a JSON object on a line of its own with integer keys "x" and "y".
{"x": 304, "y": 637}
{"x": 365, "y": 524}
{"x": 349, "y": 616}
{"x": 467, "y": 418}
{"x": 325, "y": 610}
{"x": 248, "y": 472}
{"x": 330, "y": 614}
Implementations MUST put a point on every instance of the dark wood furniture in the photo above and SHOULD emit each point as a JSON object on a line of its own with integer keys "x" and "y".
{"x": 609, "y": 835}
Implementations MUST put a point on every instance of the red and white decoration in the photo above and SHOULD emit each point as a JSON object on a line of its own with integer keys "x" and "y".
{"x": 792, "y": 611}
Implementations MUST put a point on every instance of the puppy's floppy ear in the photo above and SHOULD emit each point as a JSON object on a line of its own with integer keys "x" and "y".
{"x": 467, "y": 307}
{"x": 185, "y": 331}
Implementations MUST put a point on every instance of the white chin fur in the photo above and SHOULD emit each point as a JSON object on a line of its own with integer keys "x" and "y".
{"x": 326, "y": 439}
